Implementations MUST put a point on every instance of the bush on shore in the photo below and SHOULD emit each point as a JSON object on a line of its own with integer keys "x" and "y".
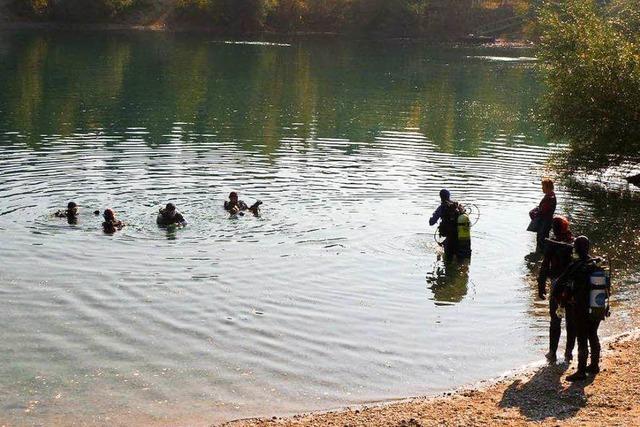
{"x": 591, "y": 57}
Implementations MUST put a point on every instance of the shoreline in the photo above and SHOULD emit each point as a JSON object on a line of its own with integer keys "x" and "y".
{"x": 194, "y": 29}
{"x": 534, "y": 394}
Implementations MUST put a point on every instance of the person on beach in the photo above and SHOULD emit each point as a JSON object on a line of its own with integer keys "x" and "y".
{"x": 170, "y": 216}
{"x": 448, "y": 213}
{"x": 575, "y": 282}
{"x": 557, "y": 257}
{"x": 543, "y": 214}
{"x": 235, "y": 206}
{"x": 71, "y": 213}
{"x": 111, "y": 224}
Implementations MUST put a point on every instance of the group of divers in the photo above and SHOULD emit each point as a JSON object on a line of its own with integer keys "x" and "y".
{"x": 167, "y": 216}
{"x": 580, "y": 286}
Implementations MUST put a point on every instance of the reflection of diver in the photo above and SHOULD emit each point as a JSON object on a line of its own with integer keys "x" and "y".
{"x": 455, "y": 227}
{"x": 448, "y": 281}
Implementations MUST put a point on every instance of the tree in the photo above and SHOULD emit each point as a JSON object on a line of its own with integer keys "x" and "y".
{"x": 592, "y": 65}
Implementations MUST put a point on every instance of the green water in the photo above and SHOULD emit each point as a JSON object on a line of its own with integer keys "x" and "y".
{"x": 335, "y": 295}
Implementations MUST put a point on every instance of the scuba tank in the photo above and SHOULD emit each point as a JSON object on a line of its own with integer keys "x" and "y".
{"x": 463, "y": 228}
{"x": 599, "y": 289}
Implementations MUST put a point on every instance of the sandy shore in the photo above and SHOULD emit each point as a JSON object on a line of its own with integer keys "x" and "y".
{"x": 540, "y": 396}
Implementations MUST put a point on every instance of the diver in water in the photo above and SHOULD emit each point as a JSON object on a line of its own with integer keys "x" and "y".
{"x": 170, "y": 216}
{"x": 111, "y": 224}
{"x": 576, "y": 283}
{"x": 557, "y": 257}
{"x": 71, "y": 213}
{"x": 454, "y": 227}
{"x": 235, "y": 206}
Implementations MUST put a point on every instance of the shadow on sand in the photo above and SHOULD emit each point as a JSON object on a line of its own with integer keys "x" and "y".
{"x": 544, "y": 395}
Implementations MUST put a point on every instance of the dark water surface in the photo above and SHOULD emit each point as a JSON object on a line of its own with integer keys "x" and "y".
{"x": 335, "y": 295}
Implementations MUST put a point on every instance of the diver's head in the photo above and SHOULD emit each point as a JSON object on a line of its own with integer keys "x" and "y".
{"x": 547, "y": 185}
{"x": 109, "y": 215}
{"x": 170, "y": 210}
{"x": 445, "y": 195}
{"x": 233, "y": 197}
{"x": 560, "y": 227}
{"x": 582, "y": 246}
{"x": 72, "y": 209}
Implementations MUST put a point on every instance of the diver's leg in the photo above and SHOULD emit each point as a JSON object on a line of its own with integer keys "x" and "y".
{"x": 554, "y": 329}
{"x": 570, "y": 324}
{"x": 594, "y": 344}
{"x": 448, "y": 249}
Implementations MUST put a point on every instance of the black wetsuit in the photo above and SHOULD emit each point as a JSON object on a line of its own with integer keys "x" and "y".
{"x": 111, "y": 227}
{"x": 578, "y": 275}
{"x": 164, "y": 219}
{"x": 448, "y": 213}
{"x": 239, "y": 205}
{"x": 557, "y": 257}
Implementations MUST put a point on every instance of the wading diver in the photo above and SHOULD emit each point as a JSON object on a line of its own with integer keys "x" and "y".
{"x": 170, "y": 216}
{"x": 111, "y": 224}
{"x": 454, "y": 226}
{"x": 237, "y": 207}
{"x": 71, "y": 213}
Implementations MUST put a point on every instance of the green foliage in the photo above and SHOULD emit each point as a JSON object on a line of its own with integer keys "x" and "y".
{"x": 75, "y": 10}
{"x": 397, "y": 18}
{"x": 593, "y": 75}
{"x": 31, "y": 7}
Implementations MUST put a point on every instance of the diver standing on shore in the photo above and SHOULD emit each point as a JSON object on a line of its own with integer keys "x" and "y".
{"x": 587, "y": 287}
{"x": 454, "y": 226}
{"x": 557, "y": 257}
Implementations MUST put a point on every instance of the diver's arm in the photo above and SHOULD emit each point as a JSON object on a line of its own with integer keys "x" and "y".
{"x": 436, "y": 215}
{"x": 255, "y": 207}
{"x": 180, "y": 220}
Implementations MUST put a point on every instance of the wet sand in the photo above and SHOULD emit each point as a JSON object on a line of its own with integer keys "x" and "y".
{"x": 538, "y": 396}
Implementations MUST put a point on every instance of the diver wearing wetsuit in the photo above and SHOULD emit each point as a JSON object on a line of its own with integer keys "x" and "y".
{"x": 111, "y": 224}
{"x": 557, "y": 257}
{"x": 170, "y": 216}
{"x": 575, "y": 281}
{"x": 235, "y": 206}
{"x": 448, "y": 213}
{"x": 546, "y": 210}
{"x": 71, "y": 213}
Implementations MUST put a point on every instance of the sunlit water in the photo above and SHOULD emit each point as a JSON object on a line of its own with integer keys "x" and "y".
{"x": 335, "y": 294}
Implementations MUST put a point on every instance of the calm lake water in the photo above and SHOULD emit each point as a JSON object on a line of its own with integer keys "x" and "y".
{"x": 335, "y": 295}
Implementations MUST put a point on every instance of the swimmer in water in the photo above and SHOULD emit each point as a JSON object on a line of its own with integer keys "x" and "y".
{"x": 111, "y": 224}
{"x": 71, "y": 213}
{"x": 237, "y": 207}
{"x": 170, "y": 216}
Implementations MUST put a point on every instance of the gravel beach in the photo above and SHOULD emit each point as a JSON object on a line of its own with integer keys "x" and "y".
{"x": 539, "y": 396}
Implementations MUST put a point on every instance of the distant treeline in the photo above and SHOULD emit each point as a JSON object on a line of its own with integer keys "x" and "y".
{"x": 446, "y": 18}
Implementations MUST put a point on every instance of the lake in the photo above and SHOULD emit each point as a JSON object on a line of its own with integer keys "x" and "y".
{"x": 335, "y": 295}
